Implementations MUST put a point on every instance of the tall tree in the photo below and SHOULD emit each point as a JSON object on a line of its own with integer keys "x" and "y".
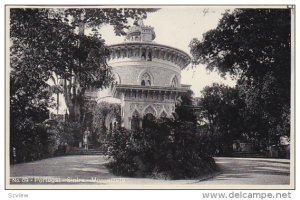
{"x": 220, "y": 109}
{"x": 92, "y": 19}
{"x": 254, "y": 47}
{"x": 57, "y": 43}
{"x": 34, "y": 55}
{"x": 46, "y": 41}
{"x": 184, "y": 109}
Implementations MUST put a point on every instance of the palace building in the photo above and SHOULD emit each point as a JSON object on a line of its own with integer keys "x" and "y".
{"x": 147, "y": 77}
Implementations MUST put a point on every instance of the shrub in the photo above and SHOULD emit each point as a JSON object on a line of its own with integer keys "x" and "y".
{"x": 100, "y": 112}
{"x": 33, "y": 143}
{"x": 62, "y": 136}
{"x": 165, "y": 148}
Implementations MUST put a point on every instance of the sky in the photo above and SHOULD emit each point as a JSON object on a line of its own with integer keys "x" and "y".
{"x": 176, "y": 26}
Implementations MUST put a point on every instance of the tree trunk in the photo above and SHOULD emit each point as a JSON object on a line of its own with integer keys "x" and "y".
{"x": 57, "y": 101}
{"x": 73, "y": 95}
{"x": 71, "y": 99}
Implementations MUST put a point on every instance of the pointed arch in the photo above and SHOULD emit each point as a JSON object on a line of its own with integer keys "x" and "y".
{"x": 163, "y": 114}
{"x": 143, "y": 83}
{"x": 149, "y": 116}
{"x": 145, "y": 78}
{"x": 135, "y": 113}
{"x": 150, "y": 109}
{"x": 174, "y": 81}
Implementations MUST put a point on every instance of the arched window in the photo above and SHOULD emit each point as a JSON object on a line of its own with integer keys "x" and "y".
{"x": 144, "y": 55}
{"x": 146, "y": 79}
{"x": 149, "y": 57}
{"x": 130, "y": 52}
{"x": 118, "y": 54}
{"x": 174, "y": 82}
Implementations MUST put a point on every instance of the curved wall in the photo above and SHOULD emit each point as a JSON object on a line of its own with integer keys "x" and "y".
{"x": 131, "y": 72}
{"x": 131, "y": 60}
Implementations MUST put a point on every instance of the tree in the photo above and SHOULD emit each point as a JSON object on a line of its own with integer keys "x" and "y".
{"x": 39, "y": 47}
{"x": 89, "y": 18}
{"x": 184, "y": 108}
{"x": 254, "y": 47}
{"x": 49, "y": 37}
{"x": 42, "y": 43}
{"x": 221, "y": 110}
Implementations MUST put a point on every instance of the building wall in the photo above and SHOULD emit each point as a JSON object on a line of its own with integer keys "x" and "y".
{"x": 131, "y": 106}
{"x": 162, "y": 63}
{"x": 130, "y": 71}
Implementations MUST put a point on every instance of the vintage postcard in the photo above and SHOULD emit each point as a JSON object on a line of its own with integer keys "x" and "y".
{"x": 150, "y": 97}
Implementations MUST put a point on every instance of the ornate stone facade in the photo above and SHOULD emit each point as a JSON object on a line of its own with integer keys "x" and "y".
{"x": 147, "y": 75}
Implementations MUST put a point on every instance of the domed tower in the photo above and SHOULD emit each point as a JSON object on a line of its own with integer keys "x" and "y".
{"x": 148, "y": 76}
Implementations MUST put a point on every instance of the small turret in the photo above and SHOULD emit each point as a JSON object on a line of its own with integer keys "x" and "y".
{"x": 140, "y": 33}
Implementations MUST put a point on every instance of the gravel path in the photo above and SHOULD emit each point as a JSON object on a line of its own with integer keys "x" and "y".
{"x": 91, "y": 170}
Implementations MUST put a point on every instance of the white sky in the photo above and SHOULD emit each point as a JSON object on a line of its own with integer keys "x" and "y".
{"x": 176, "y": 26}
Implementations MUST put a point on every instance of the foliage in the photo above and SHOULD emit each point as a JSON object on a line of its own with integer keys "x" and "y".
{"x": 183, "y": 109}
{"x": 254, "y": 47}
{"x": 96, "y": 17}
{"x": 220, "y": 110}
{"x": 165, "y": 148}
{"x": 43, "y": 42}
{"x": 70, "y": 133}
{"x": 102, "y": 110}
{"x": 42, "y": 45}
{"x": 30, "y": 141}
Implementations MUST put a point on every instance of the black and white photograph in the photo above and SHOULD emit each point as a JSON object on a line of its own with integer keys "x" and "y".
{"x": 150, "y": 97}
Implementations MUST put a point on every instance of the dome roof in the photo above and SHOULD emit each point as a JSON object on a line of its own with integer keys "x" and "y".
{"x": 140, "y": 33}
